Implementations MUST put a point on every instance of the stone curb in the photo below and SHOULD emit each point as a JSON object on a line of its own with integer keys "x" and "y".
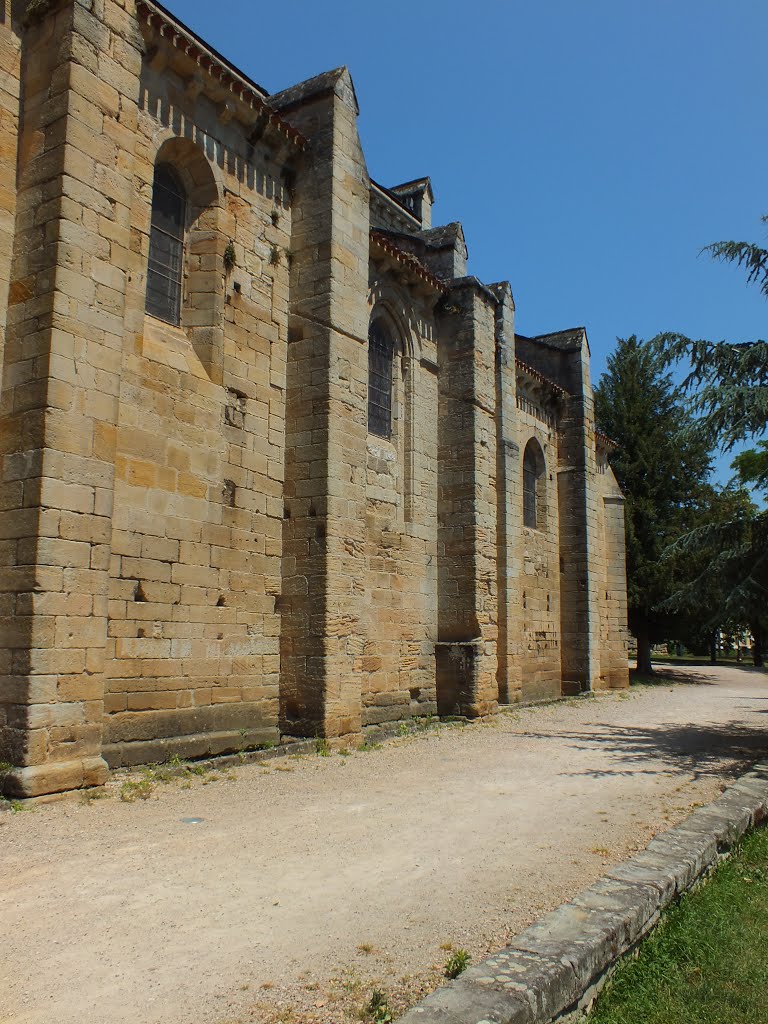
{"x": 556, "y": 966}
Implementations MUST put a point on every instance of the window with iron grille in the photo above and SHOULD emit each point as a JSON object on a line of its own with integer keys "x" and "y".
{"x": 381, "y": 351}
{"x": 166, "y": 246}
{"x": 530, "y": 487}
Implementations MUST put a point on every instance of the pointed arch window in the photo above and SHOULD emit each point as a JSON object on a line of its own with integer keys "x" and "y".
{"x": 381, "y": 353}
{"x": 166, "y": 246}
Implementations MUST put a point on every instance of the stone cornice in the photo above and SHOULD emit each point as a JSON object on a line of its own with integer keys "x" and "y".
{"x": 527, "y": 374}
{"x": 383, "y": 246}
{"x": 232, "y": 83}
{"x": 604, "y": 441}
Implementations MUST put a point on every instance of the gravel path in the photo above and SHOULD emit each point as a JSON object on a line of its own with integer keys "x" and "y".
{"x": 314, "y": 880}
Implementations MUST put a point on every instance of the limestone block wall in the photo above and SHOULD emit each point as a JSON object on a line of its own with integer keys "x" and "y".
{"x": 60, "y": 388}
{"x": 509, "y": 502}
{"x": 564, "y": 358}
{"x": 11, "y": 15}
{"x": 614, "y": 637}
{"x": 324, "y": 535}
{"x": 466, "y": 656}
{"x": 539, "y": 583}
{"x": 202, "y": 548}
{"x": 389, "y": 214}
{"x": 197, "y": 529}
{"x": 400, "y": 600}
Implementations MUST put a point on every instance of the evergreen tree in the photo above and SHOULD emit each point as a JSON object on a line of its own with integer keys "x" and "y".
{"x": 728, "y": 385}
{"x": 661, "y": 463}
{"x": 727, "y": 381}
{"x": 752, "y": 467}
{"x": 716, "y": 553}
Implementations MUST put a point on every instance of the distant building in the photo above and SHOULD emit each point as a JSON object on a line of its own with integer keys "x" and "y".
{"x": 273, "y": 464}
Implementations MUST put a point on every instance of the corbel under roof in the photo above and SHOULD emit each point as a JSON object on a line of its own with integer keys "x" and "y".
{"x": 383, "y": 245}
{"x": 160, "y": 21}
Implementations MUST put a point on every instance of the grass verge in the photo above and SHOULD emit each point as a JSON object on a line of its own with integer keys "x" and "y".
{"x": 707, "y": 963}
{"x": 658, "y": 678}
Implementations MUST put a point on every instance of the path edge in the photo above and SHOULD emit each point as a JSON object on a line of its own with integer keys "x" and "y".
{"x": 554, "y": 969}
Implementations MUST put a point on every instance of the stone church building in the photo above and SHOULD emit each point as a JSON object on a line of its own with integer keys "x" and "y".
{"x": 273, "y": 463}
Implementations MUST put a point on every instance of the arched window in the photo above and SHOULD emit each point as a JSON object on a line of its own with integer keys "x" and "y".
{"x": 533, "y": 486}
{"x": 166, "y": 246}
{"x": 381, "y": 352}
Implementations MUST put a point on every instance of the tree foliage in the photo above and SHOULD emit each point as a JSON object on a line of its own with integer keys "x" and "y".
{"x": 751, "y": 467}
{"x": 744, "y": 254}
{"x": 662, "y": 463}
{"x": 728, "y": 387}
{"x": 727, "y": 381}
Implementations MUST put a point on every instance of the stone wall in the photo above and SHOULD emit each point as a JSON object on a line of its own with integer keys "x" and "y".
{"x": 196, "y": 541}
{"x": 539, "y": 586}
{"x": 202, "y": 547}
{"x": 400, "y": 582}
{"x": 614, "y": 634}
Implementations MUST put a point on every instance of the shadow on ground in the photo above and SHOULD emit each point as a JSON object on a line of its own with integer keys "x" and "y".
{"x": 660, "y": 664}
{"x": 698, "y": 750}
{"x": 664, "y": 676}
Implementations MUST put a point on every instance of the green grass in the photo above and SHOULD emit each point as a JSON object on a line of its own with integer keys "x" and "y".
{"x": 700, "y": 659}
{"x": 707, "y": 963}
{"x": 657, "y": 679}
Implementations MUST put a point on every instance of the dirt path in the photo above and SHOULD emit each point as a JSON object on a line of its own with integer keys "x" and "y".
{"x": 309, "y": 883}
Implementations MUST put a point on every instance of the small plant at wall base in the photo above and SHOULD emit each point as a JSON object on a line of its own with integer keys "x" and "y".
{"x": 230, "y": 257}
{"x": 457, "y": 963}
{"x": 377, "y": 1008}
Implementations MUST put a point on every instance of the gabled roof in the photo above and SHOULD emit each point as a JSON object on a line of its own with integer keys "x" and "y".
{"x": 570, "y": 338}
{"x": 416, "y": 185}
{"x": 397, "y": 200}
{"x": 444, "y": 236}
{"x": 320, "y": 85}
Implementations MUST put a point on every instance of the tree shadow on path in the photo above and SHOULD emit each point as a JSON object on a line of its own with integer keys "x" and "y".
{"x": 699, "y": 750}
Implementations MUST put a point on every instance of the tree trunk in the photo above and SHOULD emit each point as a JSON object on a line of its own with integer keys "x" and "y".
{"x": 758, "y": 640}
{"x": 713, "y": 649}
{"x": 644, "y": 666}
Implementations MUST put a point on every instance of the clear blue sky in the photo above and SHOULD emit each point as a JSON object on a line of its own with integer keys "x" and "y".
{"x": 589, "y": 148}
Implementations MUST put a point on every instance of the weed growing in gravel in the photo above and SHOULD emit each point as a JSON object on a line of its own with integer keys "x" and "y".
{"x": 89, "y": 796}
{"x": 136, "y": 789}
{"x": 173, "y": 770}
{"x": 456, "y": 963}
{"x": 366, "y": 746}
{"x": 377, "y": 1009}
{"x": 322, "y": 748}
{"x": 365, "y": 947}
{"x": 14, "y": 806}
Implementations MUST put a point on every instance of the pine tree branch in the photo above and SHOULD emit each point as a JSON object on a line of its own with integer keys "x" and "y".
{"x": 744, "y": 254}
